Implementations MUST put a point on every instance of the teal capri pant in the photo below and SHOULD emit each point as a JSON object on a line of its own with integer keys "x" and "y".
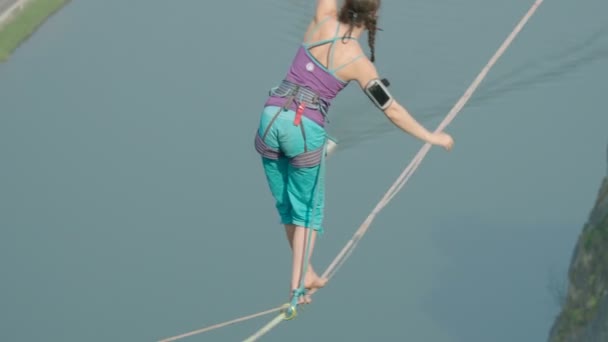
{"x": 293, "y": 186}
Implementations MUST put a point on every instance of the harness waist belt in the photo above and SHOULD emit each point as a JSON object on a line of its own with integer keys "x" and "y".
{"x": 300, "y": 94}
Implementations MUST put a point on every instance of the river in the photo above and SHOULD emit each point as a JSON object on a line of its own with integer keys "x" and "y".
{"x": 133, "y": 206}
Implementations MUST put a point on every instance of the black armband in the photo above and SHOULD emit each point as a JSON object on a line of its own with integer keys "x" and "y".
{"x": 377, "y": 91}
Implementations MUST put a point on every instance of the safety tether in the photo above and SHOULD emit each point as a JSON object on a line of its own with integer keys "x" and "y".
{"x": 291, "y": 311}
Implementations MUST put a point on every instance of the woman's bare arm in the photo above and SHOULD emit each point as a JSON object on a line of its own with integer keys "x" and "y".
{"x": 326, "y": 8}
{"x": 364, "y": 71}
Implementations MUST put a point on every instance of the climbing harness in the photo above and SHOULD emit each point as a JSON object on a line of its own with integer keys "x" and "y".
{"x": 388, "y": 196}
{"x": 303, "y": 97}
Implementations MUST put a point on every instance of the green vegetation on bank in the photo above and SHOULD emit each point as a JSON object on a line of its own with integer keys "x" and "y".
{"x": 24, "y": 23}
{"x": 588, "y": 276}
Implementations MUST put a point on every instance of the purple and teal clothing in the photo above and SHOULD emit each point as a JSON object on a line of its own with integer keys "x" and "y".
{"x": 291, "y": 136}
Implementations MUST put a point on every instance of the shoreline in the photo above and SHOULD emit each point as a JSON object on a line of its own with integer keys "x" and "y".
{"x": 21, "y": 19}
{"x": 9, "y": 8}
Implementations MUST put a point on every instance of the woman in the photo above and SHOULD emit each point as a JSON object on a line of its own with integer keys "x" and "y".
{"x": 291, "y": 137}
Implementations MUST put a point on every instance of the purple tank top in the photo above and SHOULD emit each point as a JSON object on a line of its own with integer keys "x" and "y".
{"x": 306, "y": 71}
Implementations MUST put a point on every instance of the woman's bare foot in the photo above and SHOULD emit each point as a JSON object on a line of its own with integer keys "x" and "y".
{"x": 313, "y": 281}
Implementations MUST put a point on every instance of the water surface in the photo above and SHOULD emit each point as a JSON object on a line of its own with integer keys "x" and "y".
{"x": 133, "y": 206}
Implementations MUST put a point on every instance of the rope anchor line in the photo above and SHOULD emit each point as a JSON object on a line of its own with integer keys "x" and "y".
{"x": 388, "y": 196}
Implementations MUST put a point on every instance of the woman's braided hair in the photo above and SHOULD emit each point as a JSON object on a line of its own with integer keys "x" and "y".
{"x": 358, "y": 13}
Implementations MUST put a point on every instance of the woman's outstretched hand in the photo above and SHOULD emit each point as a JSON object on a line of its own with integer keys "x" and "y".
{"x": 442, "y": 139}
